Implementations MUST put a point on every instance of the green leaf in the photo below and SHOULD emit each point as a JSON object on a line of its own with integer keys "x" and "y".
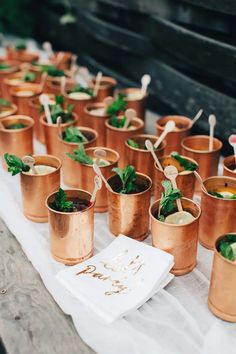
{"x": 15, "y": 164}
{"x": 54, "y": 72}
{"x": 59, "y": 99}
{"x": 133, "y": 144}
{"x": 58, "y": 110}
{"x": 117, "y": 122}
{"x": 60, "y": 203}
{"x": 119, "y": 105}
{"x": 188, "y": 165}
{"x": 4, "y": 66}
{"x": 80, "y": 156}
{"x": 168, "y": 198}
{"x": 74, "y": 135}
{"x": 231, "y": 237}
{"x": 20, "y": 46}
{"x": 16, "y": 126}
{"x": 79, "y": 88}
{"x": 215, "y": 194}
{"x": 29, "y": 77}
{"x": 4, "y": 102}
{"x": 226, "y": 250}
{"x": 128, "y": 178}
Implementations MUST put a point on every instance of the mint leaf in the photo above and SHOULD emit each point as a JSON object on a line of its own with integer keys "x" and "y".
{"x": 168, "y": 198}
{"x": 79, "y": 155}
{"x": 29, "y": 77}
{"x": 60, "y": 203}
{"x": 188, "y": 165}
{"x": 133, "y": 143}
{"x": 118, "y": 105}
{"x": 74, "y": 135}
{"x": 15, "y": 164}
{"x": 128, "y": 178}
{"x": 4, "y": 102}
{"x": 79, "y": 88}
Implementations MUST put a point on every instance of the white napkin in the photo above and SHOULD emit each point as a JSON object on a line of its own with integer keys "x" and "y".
{"x": 120, "y": 278}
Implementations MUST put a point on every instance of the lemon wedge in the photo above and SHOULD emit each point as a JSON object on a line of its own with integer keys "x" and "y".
{"x": 79, "y": 95}
{"x": 179, "y": 218}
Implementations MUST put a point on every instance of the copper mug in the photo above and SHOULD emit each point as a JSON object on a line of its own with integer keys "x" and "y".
{"x": 96, "y": 122}
{"x": 6, "y": 111}
{"x": 13, "y": 80}
{"x": 51, "y": 134}
{"x": 85, "y": 176}
{"x": 174, "y": 138}
{"x": 22, "y": 55}
{"x": 229, "y": 166}
{"x": 71, "y": 234}
{"x": 53, "y": 85}
{"x": 128, "y": 213}
{"x": 79, "y": 106}
{"x": 116, "y": 137}
{"x": 141, "y": 158}
{"x": 138, "y": 104}
{"x": 185, "y": 181}
{"x": 16, "y": 141}
{"x": 218, "y": 214}
{"x": 22, "y": 101}
{"x": 197, "y": 147}
{"x": 178, "y": 240}
{"x": 14, "y": 67}
{"x": 35, "y": 113}
{"x": 71, "y": 173}
{"x": 221, "y": 297}
{"x": 36, "y": 188}
{"x": 106, "y": 88}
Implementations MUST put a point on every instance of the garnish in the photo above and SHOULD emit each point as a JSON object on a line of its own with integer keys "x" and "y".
{"x": 20, "y": 46}
{"x": 227, "y": 247}
{"x": 117, "y": 123}
{"x": 118, "y": 105}
{"x": 29, "y": 77}
{"x": 54, "y": 72}
{"x": 44, "y": 67}
{"x": 16, "y": 126}
{"x": 4, "y": 66}
{"x": 128, "y": 178}
{"x": 219, "y": 195}
{"x": 15, "y": 164}
{"x": 79, "y": 155}
{"x": 188, "y": 165}
{"x": 74, "y": 135}
{"x": 133, "y": 143}
{"x": 167, "y": 205}
{"x": 58, "y": 111}
{"x": 61, "y": 203}
{"x": 79, "y": 88}
{"x": 4, "y": 102}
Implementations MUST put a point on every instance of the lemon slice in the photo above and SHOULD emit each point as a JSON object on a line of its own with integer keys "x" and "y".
{"x": 97, "y": 112}
{"x": 25, "y": 93}
{"x": 79, "y": 95}
{"x": 180, "y": 217}
{"x": 42, "y": 170}
{"x": 233, "y": 246}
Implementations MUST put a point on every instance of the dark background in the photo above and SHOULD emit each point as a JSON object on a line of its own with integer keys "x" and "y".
{"x": 188, "y": 47}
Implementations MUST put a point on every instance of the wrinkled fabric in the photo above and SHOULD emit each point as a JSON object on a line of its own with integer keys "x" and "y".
{"x": 174, "y": 321}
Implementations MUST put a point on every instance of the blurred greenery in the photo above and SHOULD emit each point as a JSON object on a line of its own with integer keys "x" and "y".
{"x": 18, "y": 16}
{"x": 21, "y": 17}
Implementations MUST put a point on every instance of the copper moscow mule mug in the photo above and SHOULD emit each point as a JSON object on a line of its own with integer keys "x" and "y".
{"x": 71, "y": 173}
{"x": 96, "y": 121}
{"x": 16, "y": 141}
{"x": 71, "y": 234}
{"x": 185, "y": 180}
{"x": 138, "y": 104}
{"x": 51, "y": 134}
{"x": 229, "y": 166}
{"x": 174, "y": 138}
{"x": 218, "y": 214}
{"x": 116, "y": 137}
{"x": 85, "y": 176}
{"x": 13, "y": 67}
{"x": 6, "y": 111}
{"x": 141, "y": 158}
{"x": 128, "y": 213}
{"x": 178, "y": 240}
{"x": 107, "y": 87}
{"x": 36, "y": 188}
{"x": 221, "y": 297}
{"x": 20, "y": 95}
{"x": 197, "y": 147}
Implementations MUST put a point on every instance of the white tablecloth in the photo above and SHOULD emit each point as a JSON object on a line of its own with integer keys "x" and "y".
{"x": 174, "y": 321}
